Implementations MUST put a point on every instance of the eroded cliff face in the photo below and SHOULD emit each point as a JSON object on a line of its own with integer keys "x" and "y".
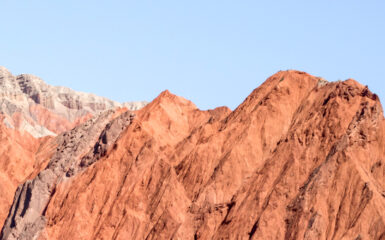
{"x": 29, "y": 104}
{"x": 300, "y": 158}
{"x": 18, "y": 160}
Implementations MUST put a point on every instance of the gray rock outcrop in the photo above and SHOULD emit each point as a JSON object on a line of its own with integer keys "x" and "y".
{"x": 77, "y": 149}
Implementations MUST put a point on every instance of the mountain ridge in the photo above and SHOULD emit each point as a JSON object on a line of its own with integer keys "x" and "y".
{"x": 29, "y": 104}
{"x": 300, "y": 158}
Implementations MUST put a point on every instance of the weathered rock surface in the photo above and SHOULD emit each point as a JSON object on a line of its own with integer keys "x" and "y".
{"x": 18, "y": 160}
{"x": 75, "y": 151}
{"x": 31, "y": 105}
{"x": 300, "y": 158}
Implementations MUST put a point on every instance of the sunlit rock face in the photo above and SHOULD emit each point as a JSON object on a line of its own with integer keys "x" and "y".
{"x": 300, "y": 158}
{"x": 29, "y": 104}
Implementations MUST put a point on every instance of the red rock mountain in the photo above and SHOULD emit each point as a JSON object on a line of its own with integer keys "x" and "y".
{"x": 300, "y": 158}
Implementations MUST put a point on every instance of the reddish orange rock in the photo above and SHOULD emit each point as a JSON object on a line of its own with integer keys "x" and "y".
{"x": 18, "y": 161}
{"x": 300, "y": 158}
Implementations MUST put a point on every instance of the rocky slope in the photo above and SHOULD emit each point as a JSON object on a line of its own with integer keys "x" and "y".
{"x": 18, "y": 159}
{"x": 300, "y": 158}
{"x": 29, "y": 104}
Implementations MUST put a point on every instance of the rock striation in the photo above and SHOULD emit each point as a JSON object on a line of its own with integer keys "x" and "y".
{"x": 31, "y": 105}
{"x": 18, "y": 160}
{"x": 26, "y": 218}
{"x": 300, "y": 158}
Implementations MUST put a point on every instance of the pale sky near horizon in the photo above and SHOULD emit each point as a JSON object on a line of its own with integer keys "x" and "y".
{"x": 211, "y": 52}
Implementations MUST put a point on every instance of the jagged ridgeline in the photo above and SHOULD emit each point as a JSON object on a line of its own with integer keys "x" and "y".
{"x": 300, "y": 158}
{"x": 28, "y": 104}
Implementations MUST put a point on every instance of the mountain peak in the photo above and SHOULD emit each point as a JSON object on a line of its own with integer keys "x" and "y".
{"x": 300, "y": 158}
{"x": 4, "y": 70}
{"x": 165, "y": 93}
{"x": 292, "y": 75}
{"x": 166, "y": 98}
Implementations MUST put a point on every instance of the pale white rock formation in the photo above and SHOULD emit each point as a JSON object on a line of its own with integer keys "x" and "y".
{"x": 29, "y": 104}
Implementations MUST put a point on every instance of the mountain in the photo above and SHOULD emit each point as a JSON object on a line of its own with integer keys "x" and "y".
{"x": 29, "y": 104}
{"x": 300, "y": 158}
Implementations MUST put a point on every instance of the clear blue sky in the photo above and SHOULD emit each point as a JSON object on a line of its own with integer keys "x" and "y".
{"x": 211, "y": 52}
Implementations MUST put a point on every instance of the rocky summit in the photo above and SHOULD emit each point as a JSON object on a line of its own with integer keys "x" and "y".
{"x": 300, "y": 158}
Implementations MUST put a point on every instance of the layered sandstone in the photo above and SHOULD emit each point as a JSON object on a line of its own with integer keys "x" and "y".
{"x": 300, "y": 158}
